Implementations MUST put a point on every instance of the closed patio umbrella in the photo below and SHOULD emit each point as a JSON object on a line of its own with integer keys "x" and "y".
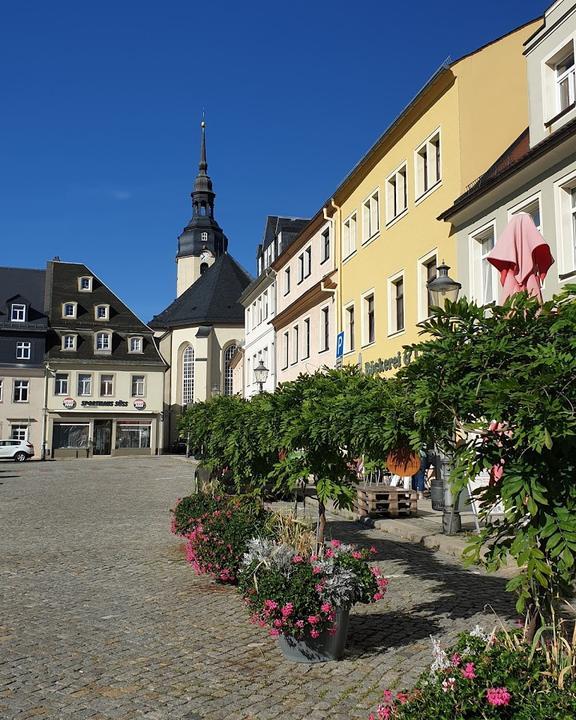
{"x": 522, "y": 256}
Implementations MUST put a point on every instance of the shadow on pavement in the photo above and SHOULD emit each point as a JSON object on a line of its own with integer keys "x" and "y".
{"x": 374, "y": 633}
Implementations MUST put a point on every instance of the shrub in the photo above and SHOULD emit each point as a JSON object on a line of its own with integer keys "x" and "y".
{"x": 299, "y": 595}
{"x": 484, "y": 676}
{"x": 189, "y": 509}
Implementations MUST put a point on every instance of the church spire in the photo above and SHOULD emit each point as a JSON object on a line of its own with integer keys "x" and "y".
{"x": 203, "y": 166}
{"x": 202, "y": 184}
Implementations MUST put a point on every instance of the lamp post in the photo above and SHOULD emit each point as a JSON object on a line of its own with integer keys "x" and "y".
{"x": 441, "y": 289}
{"x": 261, "y": 375}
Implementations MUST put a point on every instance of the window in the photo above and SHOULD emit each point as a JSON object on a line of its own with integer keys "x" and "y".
{"x": 138, "y": 385}
{"x": 295, "y": 344}
{"x": 286, "y": 281}
{"x": 61, "y": 384}
{"x": 397, "y": 191}
{"x": 85, "y": 284}
{"x": 349, "y": 235}
{"x": 265, "y": 304}
{"x": 306, "y": 339}
{"x": 21, "y": 391}
{"x": 324, "y": 329}
{"x": 396, "y": 304}
{"x": 188, "y": 376}
{"x": 228, "y": 370}
{"x": 371, "y": 216}
{"x": 18, "y": 312}
{"x": 368, "y": 319}
{"x": 286, "y": 350}
{"x": 135, "y": 344}
{"x": 19, "y": 432}
{"x": 565, "y": 83}
{"x": 84, "y": 384}
{"x": 307, "y": 261}
{"x": 131, "y": 434}
{"x": 300, "y": 267}
{"x": 106, "y": 385}
{"x": 69, "y": 310}
{"x": 102, "y": 312}
{"x": 325, "y": 255}
{"x": 204, "y": 237}
{"x": 23, "y": 350}
{"x": 532, "y": 207}
{"x": 103, "y": 342}
{"x": 483, "y": 275}
{"x": 1, "y": 389}
{"x": 68, "y": 342}
{"x": 70, "y": 435}
{"x": 349, "y": 329}
{"x": 428, "y": 165}
{"x": 428, "y": 273}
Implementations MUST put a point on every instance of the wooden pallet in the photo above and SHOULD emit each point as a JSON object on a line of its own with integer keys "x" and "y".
{"x": 385, "y": 500}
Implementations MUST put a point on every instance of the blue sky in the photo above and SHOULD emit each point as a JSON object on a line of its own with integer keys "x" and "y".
{"x": 101, "y": 105}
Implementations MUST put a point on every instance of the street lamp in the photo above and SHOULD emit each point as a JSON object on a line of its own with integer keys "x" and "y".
{"x": 261, "y": 375}
{"x": 443, "y": 288}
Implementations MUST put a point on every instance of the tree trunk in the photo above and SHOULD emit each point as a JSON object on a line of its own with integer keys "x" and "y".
{"x": 321, "y": 526}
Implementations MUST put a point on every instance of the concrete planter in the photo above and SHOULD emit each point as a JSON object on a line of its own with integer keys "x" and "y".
{"x": 324, "y": 649}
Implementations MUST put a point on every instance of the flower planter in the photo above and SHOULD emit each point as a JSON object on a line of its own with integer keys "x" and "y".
{"x": 322, "y": 649}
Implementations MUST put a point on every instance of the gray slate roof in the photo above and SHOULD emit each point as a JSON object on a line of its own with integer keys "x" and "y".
{"x": 26, "y": 284}
{"x": 213, "y": 298}
{"x": 290, "y": 227}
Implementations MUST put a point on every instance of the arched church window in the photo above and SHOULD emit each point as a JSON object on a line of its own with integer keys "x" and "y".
{"x": 188, "y": 376}
{"x": 228, "y": 355}
{"x": 203, "y": 268}
{"x": 204, "y": 237}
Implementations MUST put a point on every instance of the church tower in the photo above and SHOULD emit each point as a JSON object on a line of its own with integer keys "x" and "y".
{"x": 202, "y": 240}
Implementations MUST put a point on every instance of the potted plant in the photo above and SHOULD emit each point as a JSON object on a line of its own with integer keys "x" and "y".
{"x": 305, "y": 600}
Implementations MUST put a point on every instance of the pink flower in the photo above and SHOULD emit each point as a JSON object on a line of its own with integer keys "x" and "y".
{"x": 402, "y": 698}
{"x": 448, "y": 684}
{"x": 326, "y": 607}
{"x": 316, "y": 570}
{"x": 373, "y": 550}
{"x": 278, "y": 623}
{"x": 384, "y": 712}
{"x": 388, "y": 696}
{"x": 357, "y": 555}
{"x": 314, "y": 633}
{"x": 319, "y": 587}
{"x": 377, "y": 596}
{"x": 382, "y": 582}
{"x": 274, "y": 632}
{"x": 468, "y": 671}
{"x": 313, "y": 557}
{"x": 329, "y": 553}
{"x": 498, "y": 696}
{"x": 299, "y": 623}
{"x": 270, "y": 605}
{"x": 287, "y": 610}
{"x": 313, "y": 619}
{"x": 297, "y": 559}
{"x": 335, "y": 543}
{"x": 456, "y": 659}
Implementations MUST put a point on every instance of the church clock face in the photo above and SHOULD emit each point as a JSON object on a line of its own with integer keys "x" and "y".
{"x": 206, "y": 256}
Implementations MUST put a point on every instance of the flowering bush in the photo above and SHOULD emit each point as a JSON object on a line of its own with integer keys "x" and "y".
{"x": 483, "y": 676}
{"x": 217, "y": 530}
{"x": 299, "y": 595}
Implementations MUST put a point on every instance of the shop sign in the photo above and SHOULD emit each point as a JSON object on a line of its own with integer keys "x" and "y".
{"x": 396, "y": 361}
{"x": 69, "y": 403}
{"x": 139, "y": 404}
{"x": 104, "y": 403}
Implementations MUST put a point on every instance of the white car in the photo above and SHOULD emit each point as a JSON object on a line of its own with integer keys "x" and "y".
{"x": 19, "y": 450}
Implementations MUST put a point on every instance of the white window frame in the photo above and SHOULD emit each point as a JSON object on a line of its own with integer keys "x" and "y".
{"x": 100, "y": 386}
{"x": 523, "y": 204}
{"x": 371, "y": 216}
{"x": 72, "y": 348}
{"x": 188, "y": 375}
{"x": 392, "y": 281}
{"x": 295, "y": 344}
{"x": 1, "y": 389}
{"x": 349, "y": 339}
{"x": 392, "y": 188}
{"x": 348, "y": 238}
{"x": 106, "y": 316}
{"x": 80, "y": 384}
{"x": 90, "y": 280}
{"x": 17, "y": 309}
{"x": 285, "y": 349}
{"x": 565, "y": 227}
{"x": 16, "y": 431}
{"x": 326, "y": 241}
{"x": 140, "y": 349}
{"x": 74, "y": 306}
{"x": 476, "y": 260}
{"x": 325, "y": 328}
{"x": 23, "y": 350}
{"x": 103, "y": 351}
{"x": 423, "y": 189}
{"x": 287, "y": 280}
{"x": 422, "y": 275}
{"x": 308, "y": 262}
{"x": 306, "y": 338}
{"x": 61, "y": 383}
{"x": 138, "y": 393}
{"x": 364, "y": 324}
{"x": 24, "y": 387}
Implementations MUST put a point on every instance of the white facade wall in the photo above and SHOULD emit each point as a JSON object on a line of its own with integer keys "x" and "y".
{"x": 260, "y": 336}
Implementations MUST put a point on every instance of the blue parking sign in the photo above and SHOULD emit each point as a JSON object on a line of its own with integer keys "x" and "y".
{"x": 339, "y": 345}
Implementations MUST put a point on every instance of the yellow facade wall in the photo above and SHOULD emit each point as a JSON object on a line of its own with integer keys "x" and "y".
{"x": 479, "y": 105}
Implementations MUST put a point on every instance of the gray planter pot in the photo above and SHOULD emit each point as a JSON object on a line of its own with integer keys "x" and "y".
{"x": 324, "y": 649}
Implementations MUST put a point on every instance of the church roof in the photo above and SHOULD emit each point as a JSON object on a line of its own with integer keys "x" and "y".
{"x": 213, "y": 298}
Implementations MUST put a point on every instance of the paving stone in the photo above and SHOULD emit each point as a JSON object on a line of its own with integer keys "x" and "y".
{"x": 102, "y": 619}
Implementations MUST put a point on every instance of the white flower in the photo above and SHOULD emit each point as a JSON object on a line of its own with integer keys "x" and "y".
{"x": 479, "y": 632}
{"x": 441, "y": 661}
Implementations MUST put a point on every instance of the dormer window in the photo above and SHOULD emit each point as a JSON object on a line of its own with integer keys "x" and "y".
{"x": 565, "y": 82}
{"x": 135, "y": 344}
{"x": 102, "y": 312}
{"x": 69, "y": 310}
{"x": 18, "y": 312}
{"x": 103, "y": 342}
{"x": 85, "y": 283}
{"x": 69, "y": 342}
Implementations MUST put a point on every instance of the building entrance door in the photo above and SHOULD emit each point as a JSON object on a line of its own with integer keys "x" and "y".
{"x": 102, "y": 437}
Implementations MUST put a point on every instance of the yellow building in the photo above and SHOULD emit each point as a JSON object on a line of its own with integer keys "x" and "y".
{"x": 384, "y": 214}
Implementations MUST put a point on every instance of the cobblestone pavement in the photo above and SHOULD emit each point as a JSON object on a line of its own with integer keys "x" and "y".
{"x": 101, "y": 618}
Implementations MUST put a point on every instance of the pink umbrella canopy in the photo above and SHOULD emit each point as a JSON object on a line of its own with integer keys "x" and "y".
{"x": 522, "y": 256}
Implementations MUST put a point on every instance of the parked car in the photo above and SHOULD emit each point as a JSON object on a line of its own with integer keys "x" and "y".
{"x": 19, "y": 450}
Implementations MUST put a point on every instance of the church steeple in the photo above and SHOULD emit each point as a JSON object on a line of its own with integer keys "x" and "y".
{"x": 202, "y": 236}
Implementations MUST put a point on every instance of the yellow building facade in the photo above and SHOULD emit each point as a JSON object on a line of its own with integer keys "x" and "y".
{"x": 384, "y": 215}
